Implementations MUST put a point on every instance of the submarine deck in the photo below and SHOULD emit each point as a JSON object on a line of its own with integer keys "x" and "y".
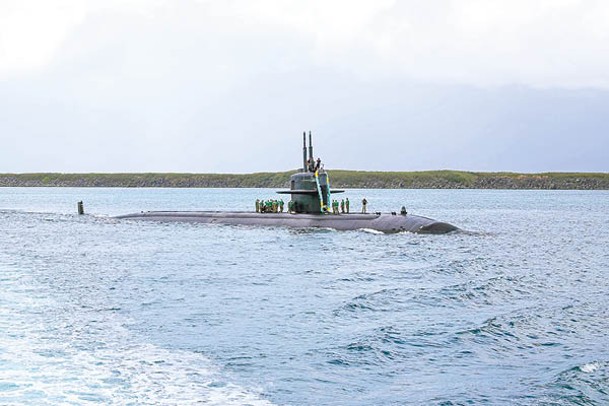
{"x": 387, "y": 223}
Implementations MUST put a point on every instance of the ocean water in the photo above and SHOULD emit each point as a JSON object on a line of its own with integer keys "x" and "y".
{"x": 94, "y": 310}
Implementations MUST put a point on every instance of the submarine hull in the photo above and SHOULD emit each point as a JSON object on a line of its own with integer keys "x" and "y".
{"x": 386, "y": 223}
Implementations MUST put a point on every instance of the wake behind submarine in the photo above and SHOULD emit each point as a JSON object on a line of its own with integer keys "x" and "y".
{"x": 311, "y": 196}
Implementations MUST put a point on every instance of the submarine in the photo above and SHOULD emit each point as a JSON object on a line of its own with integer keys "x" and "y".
{"x": 310, "y": 207}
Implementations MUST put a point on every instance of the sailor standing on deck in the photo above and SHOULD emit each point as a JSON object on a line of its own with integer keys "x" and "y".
{"x": 364, "y": 203}
{"x": 281, "y": 205}
{"x": 257, "y": 205}
{"x": 342, "y": 205}
{"x": 347, "y": 204}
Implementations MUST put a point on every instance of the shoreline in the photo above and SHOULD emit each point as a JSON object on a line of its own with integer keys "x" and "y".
{"x": 441, "y": 179}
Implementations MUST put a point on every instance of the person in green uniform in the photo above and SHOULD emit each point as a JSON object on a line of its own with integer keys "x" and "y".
{"x": 342, "y": 206}
{"x": 257, "y": 205}
{"x": 347, "y": 204}
{"x": 281, "y": 205}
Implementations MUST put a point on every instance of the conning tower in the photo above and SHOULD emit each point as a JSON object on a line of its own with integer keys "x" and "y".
{"x": 310, "y": 188}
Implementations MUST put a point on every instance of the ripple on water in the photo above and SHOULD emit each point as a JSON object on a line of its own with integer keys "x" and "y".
{"x": 86, "y": 355}
{"x": 583, "y": 384}
{"x": 95, "y": 310}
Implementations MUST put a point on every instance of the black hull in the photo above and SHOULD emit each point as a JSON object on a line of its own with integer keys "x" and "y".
{"x": 386, "y": 223}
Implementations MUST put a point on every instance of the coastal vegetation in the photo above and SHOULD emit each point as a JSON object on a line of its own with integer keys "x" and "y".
{"x": 443, "y": 179}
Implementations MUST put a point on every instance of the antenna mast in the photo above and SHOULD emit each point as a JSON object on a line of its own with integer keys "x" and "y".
{"x": 310, "y": 147}
{"x": 304, "y": 151}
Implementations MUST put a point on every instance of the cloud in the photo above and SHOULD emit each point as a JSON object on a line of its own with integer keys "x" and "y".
{"x": 561, "y": 43}
{"x": 209, "y": 85}
{"x": 32, "y": 31}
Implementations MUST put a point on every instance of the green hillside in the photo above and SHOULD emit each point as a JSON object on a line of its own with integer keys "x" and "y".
{"x": 444, "y": 179}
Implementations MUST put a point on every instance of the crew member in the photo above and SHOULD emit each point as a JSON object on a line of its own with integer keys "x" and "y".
{"x": 281, "y": 205}
{"x": 342, "y": 206}
{"x": 364, "y": 203}
{"x": 311, "y": 164}
{"x": 347, "y": 204}
{"x": 257, "y": 205}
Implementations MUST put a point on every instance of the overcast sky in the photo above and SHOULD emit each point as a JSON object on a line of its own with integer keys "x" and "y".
{"x": 229, "y": 85}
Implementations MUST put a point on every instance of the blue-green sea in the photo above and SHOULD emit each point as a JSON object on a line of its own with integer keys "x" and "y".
{"x": 514, "y": 310}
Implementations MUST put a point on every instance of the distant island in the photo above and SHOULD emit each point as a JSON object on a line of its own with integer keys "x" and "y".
{"x": 443, "y": 179}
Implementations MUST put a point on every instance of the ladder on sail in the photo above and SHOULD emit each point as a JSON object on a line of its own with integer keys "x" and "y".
{"x": 323, "y": 207}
